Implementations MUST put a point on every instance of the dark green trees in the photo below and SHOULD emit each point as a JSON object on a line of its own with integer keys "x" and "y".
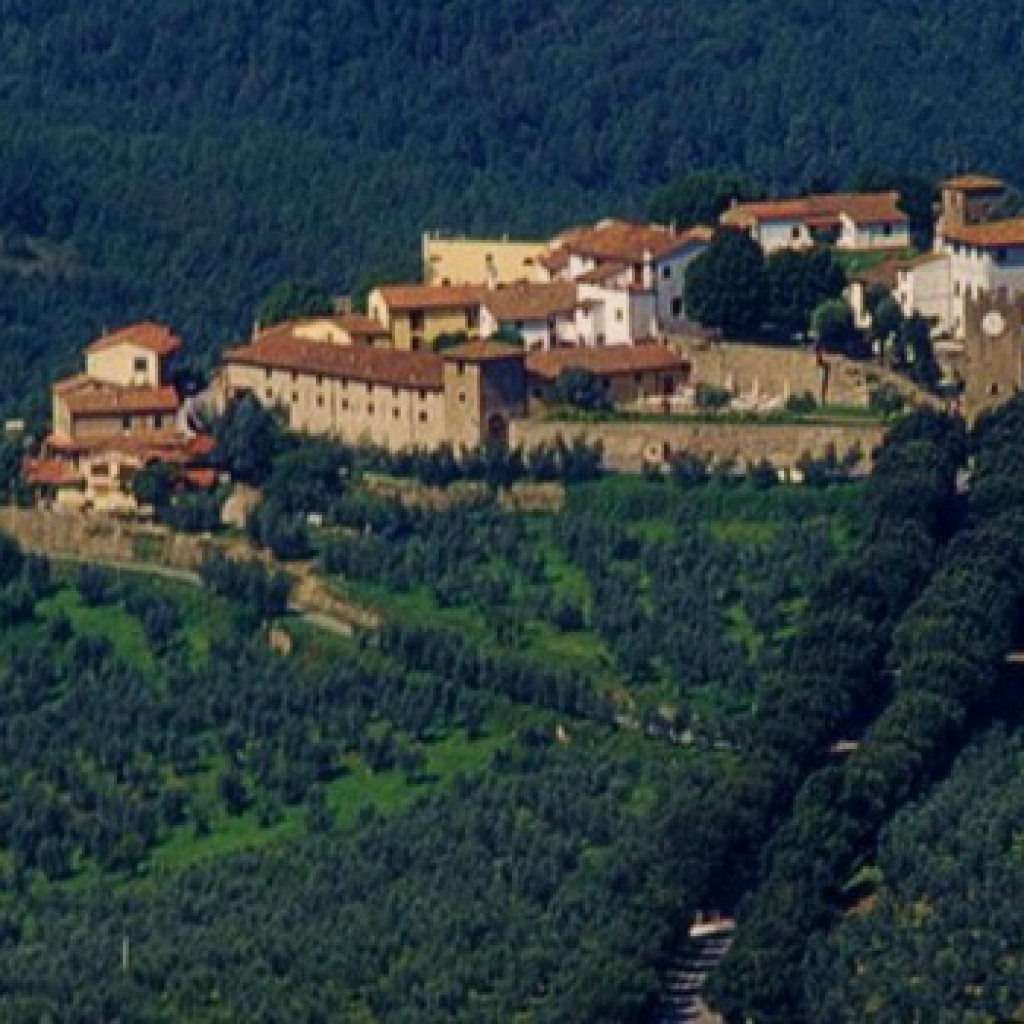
{"x": 727, "y": 285}
{"x": 292, "y": 300}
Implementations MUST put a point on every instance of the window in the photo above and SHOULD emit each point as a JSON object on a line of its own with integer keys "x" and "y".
{"x": 270, "y": 394}
{"x": 369, "y": 409}
{"x": 473, "y": 317}
{"x": 126, "y": 423}
{"x": 141, "y": 364}
{"x": 416, "y": 320}
{"x": 320, "y": 401}
{"x": 423, "y": 395}
{"x": 460, "y": 368}
{"x": 319, "y": 380}
{"x": 638, "y": 378}
{"x": 618, "y": 316}
{"x": 344, "y": 383}
{"x": 666, "y": 271}
{"x": 394, "y": 392}
{"x": 344, "y": 404}
{"x": 887, "y": 229}
{"x": 295, "y": 376}
{"x": 397, "y": 413}
{"x": 677, "y": 308}
{"x": 295, "y": 398}
{"x": 158, "y": 422}
{"x": 462, "y": 397}
{"x": 369, "y": 389}
{"x": 417, "y": 343}
{"x": 795, "y": 233}
{"x": 423, "y": 415}
{"x": 268, "y": 372}
{"x": 1000, "y": 255}
{"x": 956, "y": 288}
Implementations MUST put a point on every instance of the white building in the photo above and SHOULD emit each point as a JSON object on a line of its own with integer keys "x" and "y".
{"x": 923, "y": 288}
{"x": 850, "y": 221}
{"x": 982, "y": 258}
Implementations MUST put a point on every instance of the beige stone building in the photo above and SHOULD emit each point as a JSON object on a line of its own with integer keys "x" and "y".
{"x": 393, "y": 398}
{"x": 459, "y": 261}
{"x": 118, "y": 416}
{"x": 416, "y": 315}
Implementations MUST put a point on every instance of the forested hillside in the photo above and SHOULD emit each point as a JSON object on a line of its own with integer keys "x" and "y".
{"x": 176, "y": 159}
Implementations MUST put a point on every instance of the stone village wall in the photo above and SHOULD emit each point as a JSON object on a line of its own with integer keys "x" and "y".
{"x": 629, "y": 445}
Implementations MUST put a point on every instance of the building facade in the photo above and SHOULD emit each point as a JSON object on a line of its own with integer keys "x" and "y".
{"x": 120, "y": 415}
{"x": 459, "y": 261}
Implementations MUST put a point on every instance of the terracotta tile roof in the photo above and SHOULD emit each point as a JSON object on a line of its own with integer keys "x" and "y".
{"x": 483, "y": 352}
{"x": 604, "y": 271}
{"x": 398, "y": 368}
{"x": 430, "y": 296}
{"x": 974, "y": 183}
{"x": 610, "y": 360}
{"x": 97, "y": 399}
{"x": 203, "y": 479}
{"x": 822, "y": 210}
{"x": 362, "y": 326}
{"x": 169, "y": 445}
{"x": 152, "y": 336}
{"x": 555, "y": 261}
{"x": 624, "y": 240}
{"x": 50, "y": 473}
{"x": 531, "y": 301}
{"x": 996, "y": 234}
{"x": 68, "y": 384}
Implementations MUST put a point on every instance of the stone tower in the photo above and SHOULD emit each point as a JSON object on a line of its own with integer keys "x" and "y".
{"x": 969, "y": 199}
{"x": 484, "y": 388}
{"x": 993, "y": 350}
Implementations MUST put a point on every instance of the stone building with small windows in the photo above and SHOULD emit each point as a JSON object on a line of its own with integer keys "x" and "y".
{"x": 400, "y": 399}
{"x": 121, "y": 414}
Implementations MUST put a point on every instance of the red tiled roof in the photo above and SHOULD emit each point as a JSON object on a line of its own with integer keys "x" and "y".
{"x": 152, "y": 336}
{"x": 50, "y": 473}
{"x": 169, "y": 445}
{"x": 556, "y": 260}
{"x": 610, "y": 360}
{"x": 996, "y": 234}
{"x": 624, "y": 240}
{"x": 396, "y": 367}
{"x": 531, "y": 301}
{"x": 203, "y": 479}
{"x": 431, "y": 296}
{"x": 604, "y": 271}
{"x": 974, "y": 183}
{"x": 94, "y": 398}
{"x": 483, "y": 352}
{"x": 362, "y": 326}
{"x": 821, "y": 210}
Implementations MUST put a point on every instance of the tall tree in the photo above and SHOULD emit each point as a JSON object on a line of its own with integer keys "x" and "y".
{"x": 727, "y": 285}
{"x": 798, "y": 282}
{"x": 292, "y": 300}
{"x": 700, "y": 197}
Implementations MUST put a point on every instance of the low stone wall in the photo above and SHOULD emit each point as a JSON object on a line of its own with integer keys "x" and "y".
{"x": 776, "y": 372}
{"x": 628, "y": 446}
{"x": 101, "y": 537}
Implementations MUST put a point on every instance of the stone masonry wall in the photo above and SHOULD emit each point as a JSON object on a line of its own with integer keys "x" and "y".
{"x": 628, "y": 446}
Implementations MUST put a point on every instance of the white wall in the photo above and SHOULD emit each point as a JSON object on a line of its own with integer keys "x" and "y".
{"x": 872, "y": 236}
{"x": 927, "y": 291}
{"x": 672, "y": 286}
{"x": 974, "y": 270}
{"x": 782, "y": 234}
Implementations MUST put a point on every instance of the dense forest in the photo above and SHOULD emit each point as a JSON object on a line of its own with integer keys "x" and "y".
{"x": 176, "y": 160}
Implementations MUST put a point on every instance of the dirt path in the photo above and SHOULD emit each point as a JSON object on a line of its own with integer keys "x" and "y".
{"x": 313, "y": 600}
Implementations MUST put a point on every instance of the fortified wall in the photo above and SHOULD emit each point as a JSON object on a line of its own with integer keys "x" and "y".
{"x": 629, "y": 445}
{"x": 776, "y": 373}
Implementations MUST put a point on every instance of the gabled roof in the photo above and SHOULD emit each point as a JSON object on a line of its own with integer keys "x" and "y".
{"x": 399, "y": 368}
{"x": 974, "y": 183}
{"x": 530, "y": 301}
{"x": 430, "y": 296}
{"x": 97, "y": 398}
{"x": 609, "y": 360}
{"x": 997, "y": 234}
{"x": 604, "y": 272}
{"x": 625, "y": 240}
{"x": 148, "y": 335}
{"x": 820, "y": 210}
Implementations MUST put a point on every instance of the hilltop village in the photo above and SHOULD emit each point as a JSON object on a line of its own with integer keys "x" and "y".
{"x": 499, "y": 335}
